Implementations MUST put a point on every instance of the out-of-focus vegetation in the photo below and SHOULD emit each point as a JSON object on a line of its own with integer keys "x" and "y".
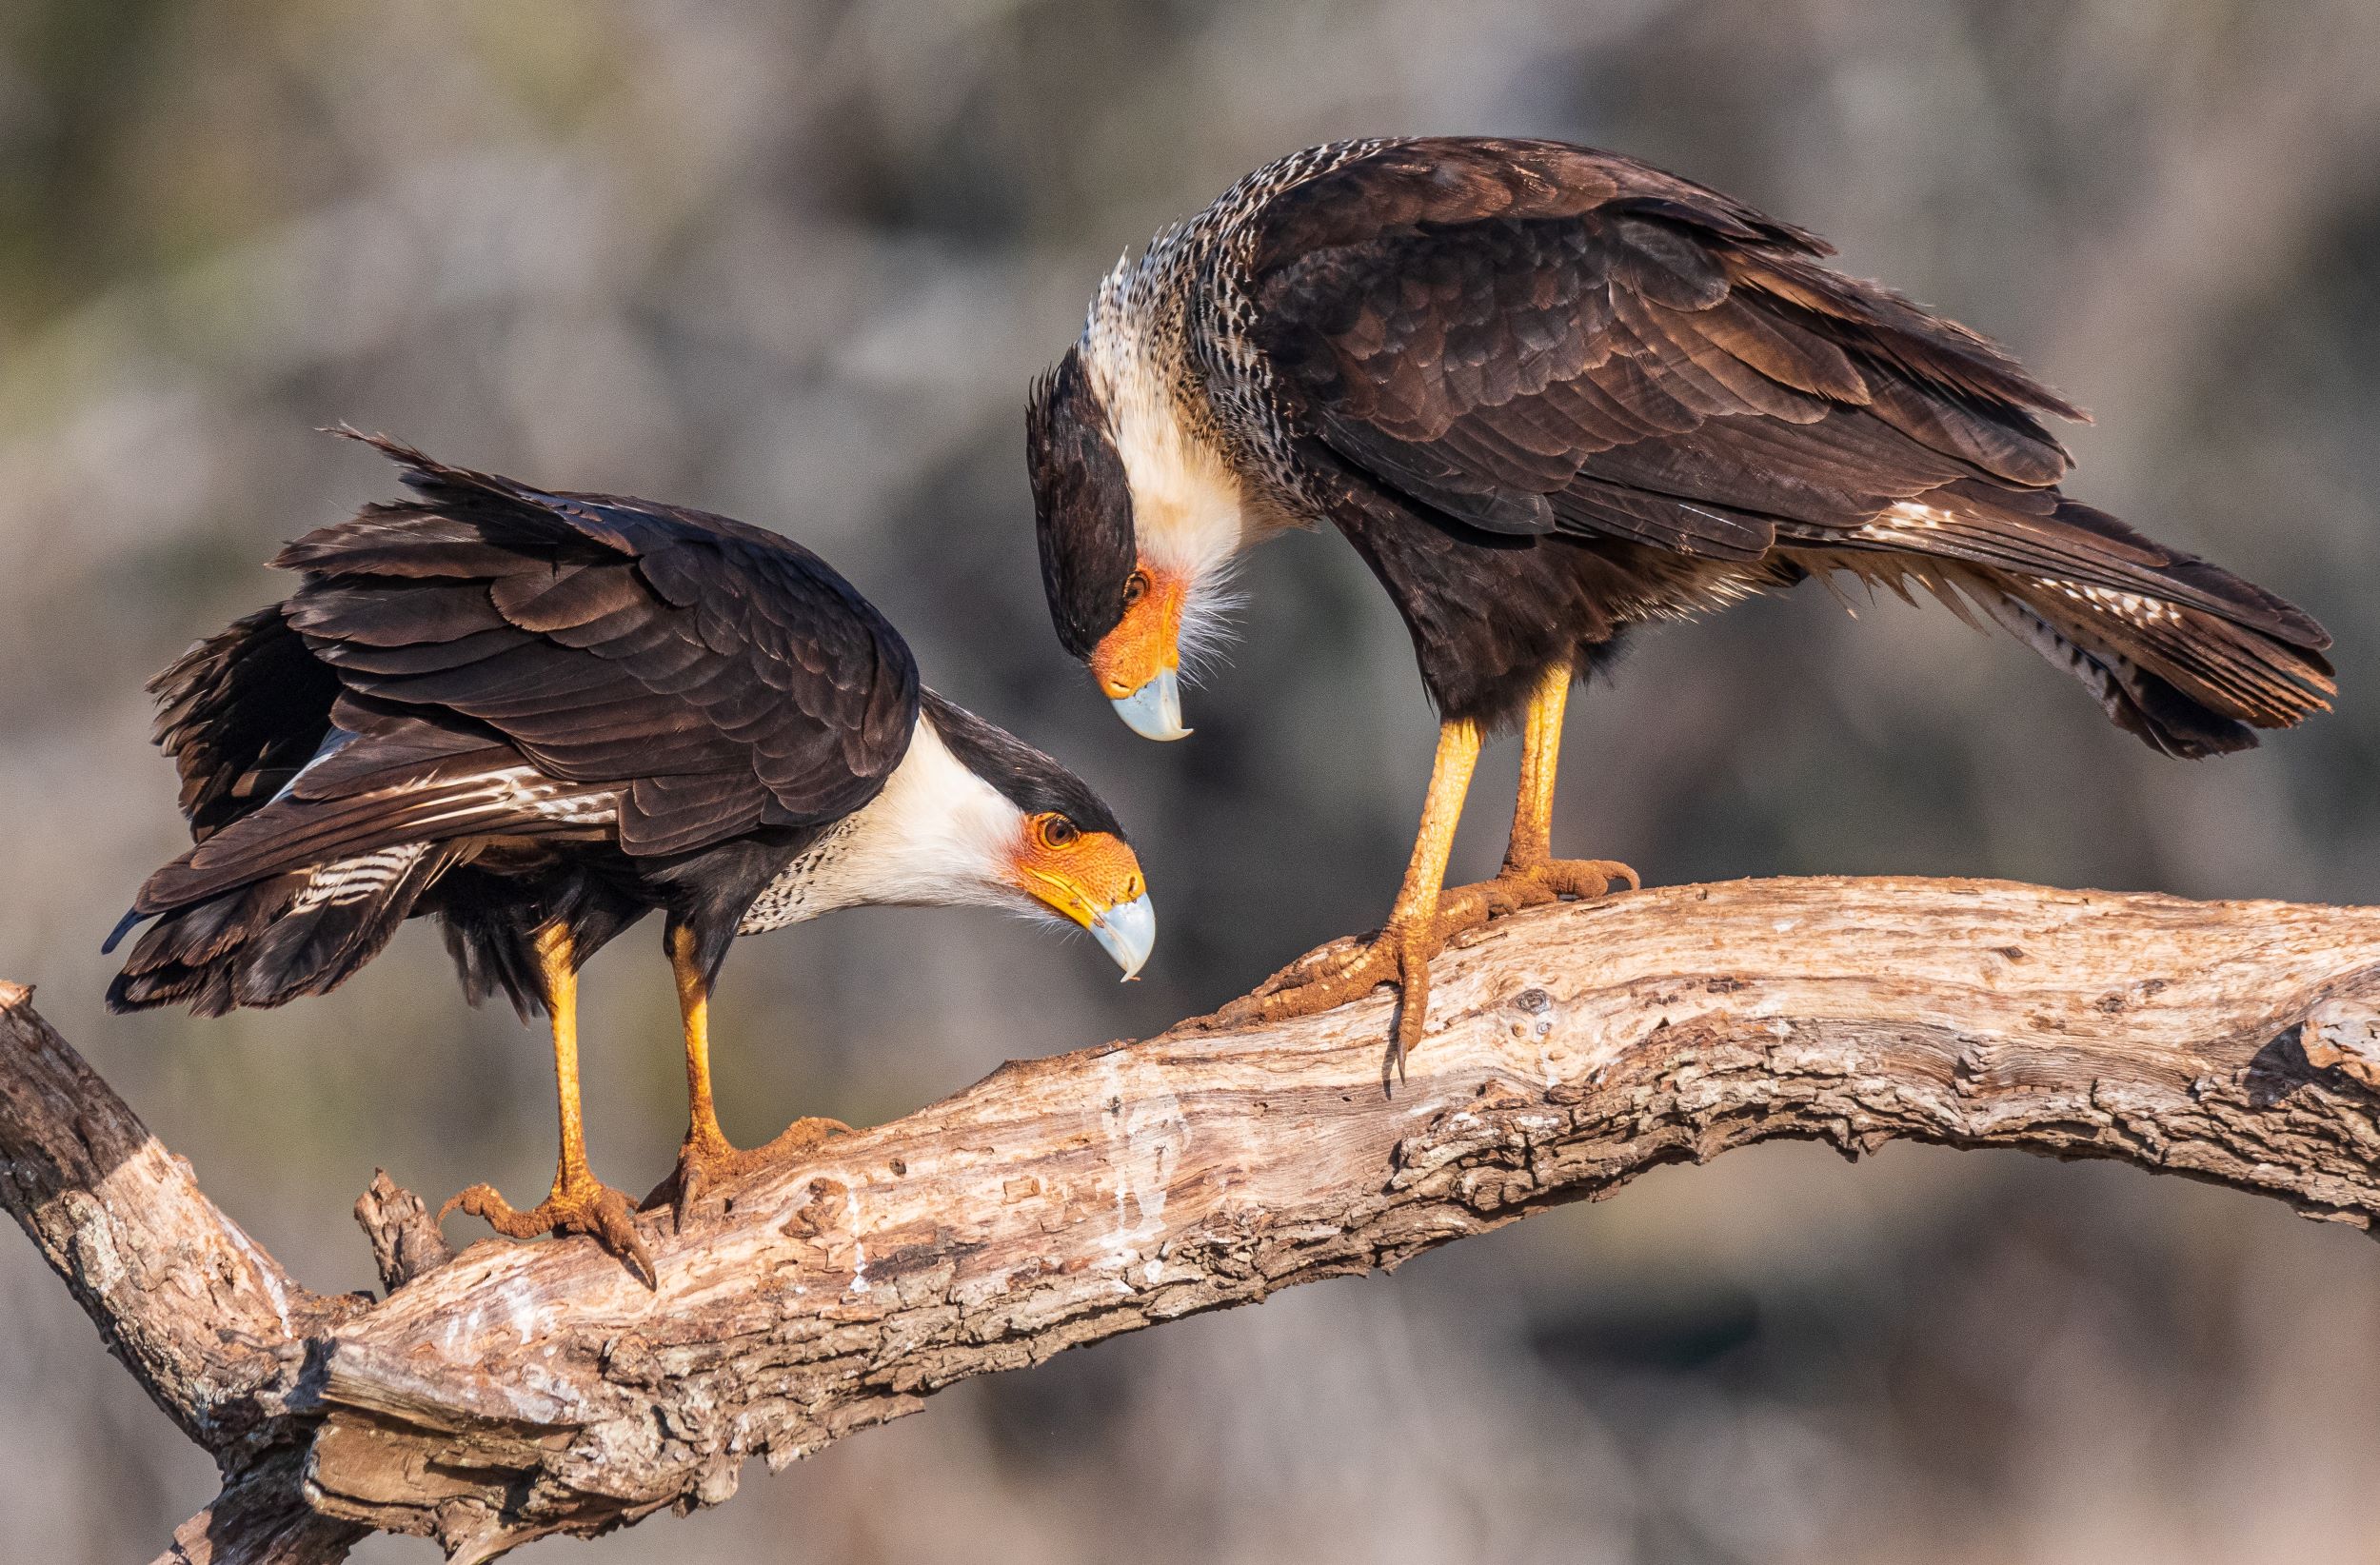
{"x": 796, "y": 262}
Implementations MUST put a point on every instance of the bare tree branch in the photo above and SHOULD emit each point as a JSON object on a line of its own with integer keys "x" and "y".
{"x": 405, "y": 1237}
{"x": 520, "y": 1391}
{"x": 210, "y": 1325}
{"x": 262, "y": 1518}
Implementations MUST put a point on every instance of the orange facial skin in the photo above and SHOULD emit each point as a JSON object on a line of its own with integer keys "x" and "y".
{"x": 1147, "y": 641}
{"x": 1081, "y": 874}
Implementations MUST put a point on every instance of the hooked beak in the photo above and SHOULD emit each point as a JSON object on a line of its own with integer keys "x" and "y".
{"x": 1127, "y": 932}
{"x": 1154, "y": 711}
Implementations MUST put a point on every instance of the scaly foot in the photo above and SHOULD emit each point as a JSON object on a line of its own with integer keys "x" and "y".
{"x": 1516, "y": 886}
{"x": 1399, "y": 955}
{"x": 707, "y": 1162}
{"x": 581, "y": 1205}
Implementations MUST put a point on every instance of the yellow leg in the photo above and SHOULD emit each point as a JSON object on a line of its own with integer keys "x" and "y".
{"x": 1441, "y": 812}
{"x": 694, "y": 1016}
{"x": 1540, "y": 752}
{"x": 1418, "y": 925}
{"x": 580, "y": 1204}
{"x": 707, "y": 1158}
{"x": 561, "y": 990}
{"x": 1531, "y": 874}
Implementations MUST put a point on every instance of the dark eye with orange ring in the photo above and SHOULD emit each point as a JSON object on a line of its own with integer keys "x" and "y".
{"x": 1136, "y": 587}
{"x": 1055, "y": 831}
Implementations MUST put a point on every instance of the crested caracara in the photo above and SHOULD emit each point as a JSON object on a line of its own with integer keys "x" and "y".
{"x": 1549, "y": 393}
{"x": 539, "y": 716}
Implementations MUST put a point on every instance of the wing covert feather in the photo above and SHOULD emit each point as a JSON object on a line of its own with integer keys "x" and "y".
{"x": 1510, "y": 333}
{"x": 723, "y": 677}
{"x": 1534, "y": 339}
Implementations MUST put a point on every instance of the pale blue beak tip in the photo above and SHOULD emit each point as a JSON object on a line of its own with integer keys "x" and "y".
{"x": 1154, "y": 711}
{"x": 1127, "y": 932}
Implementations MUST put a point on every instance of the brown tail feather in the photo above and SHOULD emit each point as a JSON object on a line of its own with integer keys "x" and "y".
{"x": 240, "y": 713}
{"x": 2238, "y": 671}
{"x": 2186, "y": 681}
{"x": 2140, "y": 701}
{"x": 269, "y": 941}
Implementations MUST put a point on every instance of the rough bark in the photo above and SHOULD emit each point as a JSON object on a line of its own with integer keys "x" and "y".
{"x": 520, "y": 1391}
{"x": 404, "y": 1234}
{"x": 214, "y": 1331}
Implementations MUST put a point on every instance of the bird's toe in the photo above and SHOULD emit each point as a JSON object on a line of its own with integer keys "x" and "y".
{"x": 1508, "y": 895}
{"x": 1417, "y": 944}
{"x": 607, "y": 1218}
{"x": 709, "y": 1163}
{"x": 604, "y": 1215}
{"x": 1399, "y": 956}
{"x": 703, "y": 1163}
{"x": 804, "y": 1134}
{"x": 486, "y": 1203}
{"x": 1586, "y": 876}
{"x": 585, "y": 1206}
{"x": 1532, "y": 884}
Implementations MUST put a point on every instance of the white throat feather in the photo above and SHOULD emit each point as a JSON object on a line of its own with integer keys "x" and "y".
{"x": 1192, "y": 511}
{"x": 937, "y": 835}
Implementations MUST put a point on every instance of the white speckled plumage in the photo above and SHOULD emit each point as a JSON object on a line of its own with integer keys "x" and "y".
{"x": 1190, "y": 400}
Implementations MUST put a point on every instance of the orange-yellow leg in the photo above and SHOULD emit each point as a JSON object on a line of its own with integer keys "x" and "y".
{"x": 580, "y": 1204}
{"x": 1531, "y": 874}
{"x": 707, "y": 1159}
{"x": 1418, "y": 925}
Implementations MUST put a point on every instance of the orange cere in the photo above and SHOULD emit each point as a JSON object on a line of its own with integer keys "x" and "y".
{"x": 1147, "y": 641}
{"x": 1082, "y": 874}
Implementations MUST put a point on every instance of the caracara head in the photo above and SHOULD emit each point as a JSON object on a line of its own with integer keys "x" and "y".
{"x": 974, "y": 815}
{"x": 1138, "y": 523}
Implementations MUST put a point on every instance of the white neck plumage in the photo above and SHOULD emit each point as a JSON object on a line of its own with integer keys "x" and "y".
{"x": 1192, "y": 514}
{"x": 937, "y": 835}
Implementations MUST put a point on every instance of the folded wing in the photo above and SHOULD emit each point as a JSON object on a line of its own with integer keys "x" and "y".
{"x": 489, "y": 659}
{"x": 1534, "y": 339}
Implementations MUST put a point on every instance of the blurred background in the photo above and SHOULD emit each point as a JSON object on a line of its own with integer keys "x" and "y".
{"x": 796, "y": 262}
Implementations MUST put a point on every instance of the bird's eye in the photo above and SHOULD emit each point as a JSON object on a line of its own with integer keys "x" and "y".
{"x": 1056, "y": 831}
{"x": 1136, "y": 587}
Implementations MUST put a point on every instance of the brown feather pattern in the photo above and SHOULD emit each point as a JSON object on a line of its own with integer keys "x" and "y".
{"x": 506, "y": 705}
{"x": 1544, "y": 344}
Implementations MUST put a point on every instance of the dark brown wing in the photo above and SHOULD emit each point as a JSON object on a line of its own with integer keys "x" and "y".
{"x": 721, "y": 677}
{"x": 1530, "y": 337}
{"x": 240, "y": 713}
{"x": 398, "y": 781}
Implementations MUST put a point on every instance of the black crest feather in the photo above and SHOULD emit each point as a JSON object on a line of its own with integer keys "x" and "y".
{"x": 1026, "y": 778}
{"x": 1082, "y": 506}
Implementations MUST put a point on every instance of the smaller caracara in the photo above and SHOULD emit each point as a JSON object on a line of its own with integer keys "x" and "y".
{"x": 539, "y": 716}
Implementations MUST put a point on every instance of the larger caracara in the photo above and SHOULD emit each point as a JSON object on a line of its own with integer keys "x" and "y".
{"x": 540, "y": 716}
{"x": 1549, "y": 393}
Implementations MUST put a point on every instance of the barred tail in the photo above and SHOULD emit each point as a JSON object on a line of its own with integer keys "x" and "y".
{"x": 2187, "y": 682}
{"x": 2179, "y": 650}
{"x": 272, "y": 940}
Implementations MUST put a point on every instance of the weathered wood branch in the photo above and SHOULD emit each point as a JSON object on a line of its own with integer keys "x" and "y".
{"x": 210, "y": 1326}
{"x": 520, "y": 1391}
